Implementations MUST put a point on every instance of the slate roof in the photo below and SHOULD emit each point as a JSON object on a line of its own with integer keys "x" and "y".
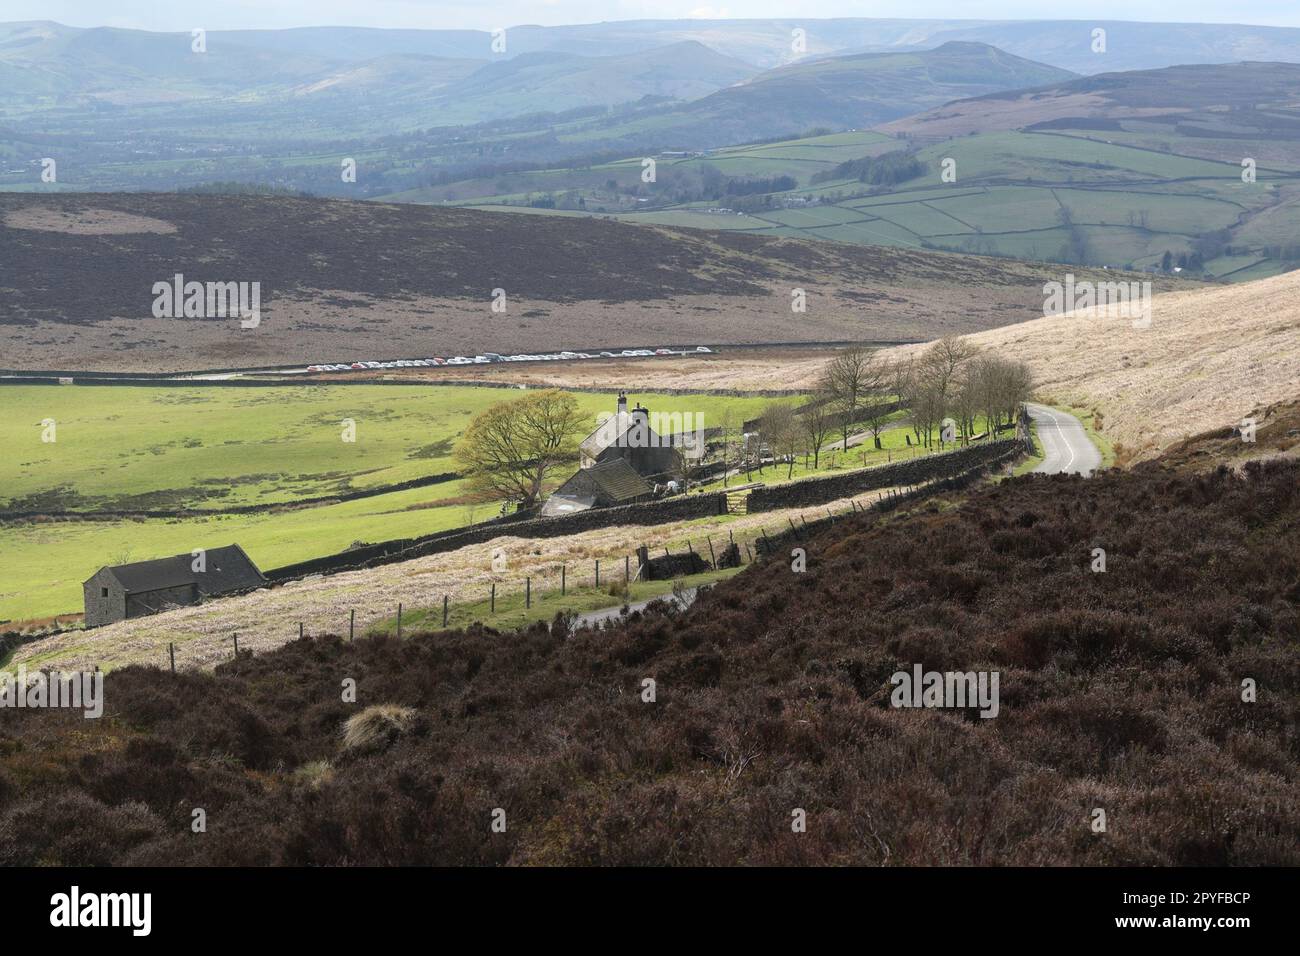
{"x": 228, "y": 569}
{"x": 618, "y": 480}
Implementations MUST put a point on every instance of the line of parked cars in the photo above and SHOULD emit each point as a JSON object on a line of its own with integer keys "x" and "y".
{"x": 487, "y": 358}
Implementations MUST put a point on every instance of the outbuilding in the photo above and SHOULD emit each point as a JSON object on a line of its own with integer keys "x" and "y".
{"x": 118, "y": 592}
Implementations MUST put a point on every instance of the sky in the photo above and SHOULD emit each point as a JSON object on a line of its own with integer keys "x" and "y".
{"x": 185, "y": 15}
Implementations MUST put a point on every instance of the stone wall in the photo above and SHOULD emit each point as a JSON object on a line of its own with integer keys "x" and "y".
{"x": 681, "y": 508}
{"x": 914, "y": 471}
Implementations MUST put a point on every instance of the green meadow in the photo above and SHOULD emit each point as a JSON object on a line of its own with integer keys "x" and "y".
{"x": 211, "y": 448}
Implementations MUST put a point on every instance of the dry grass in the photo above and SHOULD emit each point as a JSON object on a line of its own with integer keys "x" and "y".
{"x": 376, "y": 727}
{"x": 269, "y": 618}
{"x": 86, "y": 222}
{"x": 747, "y": 370}
{"x": 1208, "y": 359}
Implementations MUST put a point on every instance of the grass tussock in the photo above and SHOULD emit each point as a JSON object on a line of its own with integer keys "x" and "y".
{"x": 377, "y": 727}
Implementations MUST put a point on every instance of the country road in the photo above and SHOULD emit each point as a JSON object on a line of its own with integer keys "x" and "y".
{"x": 596, "y": 618}
{"x": 1067, "y": 449}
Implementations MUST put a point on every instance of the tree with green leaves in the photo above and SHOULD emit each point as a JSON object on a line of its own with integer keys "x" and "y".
{"x": 509, "y": 449}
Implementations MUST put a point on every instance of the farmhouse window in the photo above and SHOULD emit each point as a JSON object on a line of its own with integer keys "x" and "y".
{"x": 103, "y": 592}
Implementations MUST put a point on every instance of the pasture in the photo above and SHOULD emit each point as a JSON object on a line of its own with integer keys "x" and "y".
{"x": 210, "y": 449}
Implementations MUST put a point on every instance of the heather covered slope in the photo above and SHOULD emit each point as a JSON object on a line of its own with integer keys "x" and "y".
{"x": 356, "y": 281}
{"x": 1119, "y": 691}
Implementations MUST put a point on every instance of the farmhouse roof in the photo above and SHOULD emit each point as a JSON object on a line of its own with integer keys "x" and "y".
{"x": 613, "y": 430}
{"x": 618, "y": 480}
{"x": 227, "y": 569}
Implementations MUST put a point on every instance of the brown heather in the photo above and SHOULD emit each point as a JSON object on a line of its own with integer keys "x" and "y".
{"x": 1118, "y": 690}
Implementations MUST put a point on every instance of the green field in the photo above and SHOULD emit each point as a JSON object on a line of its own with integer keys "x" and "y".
{"x": 1046, "y": 195}
{"x": 211, "y": 448}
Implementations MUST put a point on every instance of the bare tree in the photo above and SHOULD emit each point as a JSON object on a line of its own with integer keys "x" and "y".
{"x": 818, "y": 421}
{"x": 852, "y": 377}
{"x": 782, "y": 431}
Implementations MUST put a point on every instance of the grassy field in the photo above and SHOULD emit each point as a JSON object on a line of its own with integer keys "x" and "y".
{"x": 146, "y": 448}
{"x": 1042, "y": 195}
{"x": 208, "y": 448}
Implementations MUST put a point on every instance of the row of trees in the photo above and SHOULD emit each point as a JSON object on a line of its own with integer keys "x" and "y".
{"x": 858, "y": 389}
{"x": 511, "y": 449}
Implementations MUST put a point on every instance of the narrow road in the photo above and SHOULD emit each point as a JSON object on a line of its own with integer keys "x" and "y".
{"x": 594, "y": 618}
{"x": 1067, "y": 449}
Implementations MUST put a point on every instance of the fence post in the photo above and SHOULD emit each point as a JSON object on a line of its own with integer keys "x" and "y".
{"x": 444, "y": 610}
{"x": 236, "y": 636}
{"x": 300, "y": 634}
{"x": 598, "y": 573}
{"x": 399, "y": 620}
{"x": 627, "y": 570}
{"x": 749, "y": 554}
{"x": 562, "y": 580}
{"x": 528, "y": 592}
{"x": 712, "y": 557}
{"x": 352, "y": 623}
{"x": 171, "y": 653}
{"x": 493, "y": 606}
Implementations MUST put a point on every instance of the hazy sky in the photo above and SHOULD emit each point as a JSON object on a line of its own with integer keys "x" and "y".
{"x": 486, "y": 14}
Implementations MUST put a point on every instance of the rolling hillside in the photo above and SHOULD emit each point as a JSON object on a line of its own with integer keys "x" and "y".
{"x": 1133, "y": 170}
{"x": 365, "y": 280}
{"x": 766, "y": 43}
{"x": 840, "y": 92}
{"x": 1210, "y": 358}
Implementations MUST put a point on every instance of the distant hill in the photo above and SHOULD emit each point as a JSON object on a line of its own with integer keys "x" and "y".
{"x": 840, "y": 92}
{"x": 767, "y": 43}
{"x": 351, "y": 280}
{"x": 245, "y": 81}
{"x": 1140, "y": 170}
{"x": 1186, "y": 100}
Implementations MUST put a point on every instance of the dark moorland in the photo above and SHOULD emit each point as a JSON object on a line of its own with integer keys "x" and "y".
{"x": 1119, "y": 690}
{"x": 362, "y": 280}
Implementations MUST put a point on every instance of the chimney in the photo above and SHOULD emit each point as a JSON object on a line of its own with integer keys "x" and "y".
{"x": 622, "y": 403}
{"x": 641, "y": 413}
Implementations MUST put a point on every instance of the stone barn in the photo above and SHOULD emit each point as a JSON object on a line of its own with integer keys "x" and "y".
{"x": 146, "y": 587}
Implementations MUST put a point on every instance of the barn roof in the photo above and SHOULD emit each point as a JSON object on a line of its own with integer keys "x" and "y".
{"x": 618, "y": 480}
{"x": 228, "y": 569}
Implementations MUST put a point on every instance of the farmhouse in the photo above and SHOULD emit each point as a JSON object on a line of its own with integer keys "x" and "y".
{"x": 609, "y": 483}
{"x": 147, "y": 587}
{"x": 628, "y": 436}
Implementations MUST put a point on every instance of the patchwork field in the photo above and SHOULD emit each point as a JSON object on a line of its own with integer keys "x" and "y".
{"x": 211, "y": 449}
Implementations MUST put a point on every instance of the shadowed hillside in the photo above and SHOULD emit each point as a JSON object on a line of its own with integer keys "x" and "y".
{"x": 1120, "y": 691}
{"x": 364, "y": 281}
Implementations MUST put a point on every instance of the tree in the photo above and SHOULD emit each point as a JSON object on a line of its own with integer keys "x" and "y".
{"x": 878, "y": 411}
{"x": 782, "y": 431}
{"x": 852, "y": 376}
{"x": 817, "y": 421}
{"x": 510, "y": 448}
{"x": 729, "y": 439}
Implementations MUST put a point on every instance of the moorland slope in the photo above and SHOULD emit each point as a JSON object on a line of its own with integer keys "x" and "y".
{"x": 349, "y": 280}
{"x": 1119, "y": 691}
